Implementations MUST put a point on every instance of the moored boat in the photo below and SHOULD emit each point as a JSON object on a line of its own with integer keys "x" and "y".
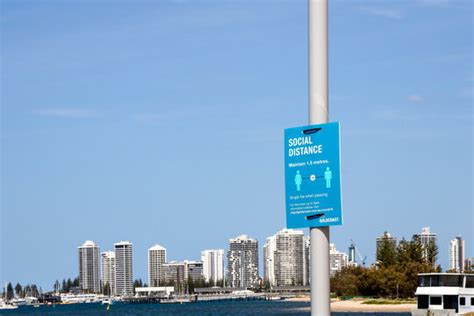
{"x": 445, "y": 294}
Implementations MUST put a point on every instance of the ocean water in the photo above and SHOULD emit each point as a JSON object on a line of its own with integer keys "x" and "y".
{"x": 243, "y": 308}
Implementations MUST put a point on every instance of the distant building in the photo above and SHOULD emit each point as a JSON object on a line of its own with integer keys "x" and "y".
{"x": 213, "y": 265}
{"x": 156, "y": 259}
{"x": 385, "y": 238}
{"x": 269, "y": 260}
{"x": 337, "y": 260}
{"x": 456, "y": 254}
{"x": 193, "y": 270}
{"x": 242, "y": 262}
{"x": 307, "y": 258}
{"x": 123, "y": 268}
{"x": 469, "y": 264}
{"x": 352, "y": 255}
{"x": 427, "y": 240}
{"x": 89, "y": 267}
{"x": 108, "y": 271}
{"x": 289, "y": 258}
{"x": 174, "y": 273}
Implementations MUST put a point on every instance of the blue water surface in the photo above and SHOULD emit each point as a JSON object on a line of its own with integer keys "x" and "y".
{"x": 202, "y": 308}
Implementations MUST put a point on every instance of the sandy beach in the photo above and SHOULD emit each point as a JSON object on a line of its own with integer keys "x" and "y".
{"x": 358, "y": 306}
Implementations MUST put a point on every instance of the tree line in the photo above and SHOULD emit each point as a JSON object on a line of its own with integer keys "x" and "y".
{"x": 394, "y": 275}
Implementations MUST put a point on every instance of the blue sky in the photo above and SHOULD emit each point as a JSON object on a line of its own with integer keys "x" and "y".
{"x": 162, "y": 122}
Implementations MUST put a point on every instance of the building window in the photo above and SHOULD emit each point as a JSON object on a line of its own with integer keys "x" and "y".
{"x": 472, "y": 301}
{"x": 462, "y": 301}
{"x": 435, "y": 300}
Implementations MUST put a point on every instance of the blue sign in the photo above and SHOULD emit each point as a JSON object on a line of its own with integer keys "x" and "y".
{"x": 313, "y": 176}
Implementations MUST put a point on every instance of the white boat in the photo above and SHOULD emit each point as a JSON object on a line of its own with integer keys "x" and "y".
{"x": 4, "y": 305}
{"x": 445, "y": 294}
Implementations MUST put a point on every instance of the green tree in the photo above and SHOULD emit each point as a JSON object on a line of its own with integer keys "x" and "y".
{"x": 432, "y": 253}
{"x": 387, "y": 253}
{"x": 18, "y": 290}
{"x": 9, "y": 294}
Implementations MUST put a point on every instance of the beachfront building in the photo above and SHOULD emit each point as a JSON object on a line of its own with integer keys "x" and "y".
{"x": 269, "y": 249}
{"x": 337, "y": 260}
{"x": 213, "y": 265}
{"x": 456, "y": 254}
{"x": 428, "y": 242}
{"x": 123, "y": 268}
{"x": 89, "y": 265}
{"x": 385, "y": 239}
{"x": 108, "y": 272}
{"x": 156, "y": 259}
{"x": 242, "y": 262}
{"x": 289, "y": 258}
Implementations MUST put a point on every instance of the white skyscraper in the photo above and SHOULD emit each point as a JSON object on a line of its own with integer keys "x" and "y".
{"x": 456, "y": 254}
{"x": 213, "y": 265}
{"x": 89, "y": 267}
{"x": 337, "y": 260}
{"x": 289, "y": 258}
{"x": 156, "y": 259}
{"x": 269, "y": 260}
{"x": 123, "y": 268}
{"x": 108, "y": 271}
{"x": 242, "y": 262}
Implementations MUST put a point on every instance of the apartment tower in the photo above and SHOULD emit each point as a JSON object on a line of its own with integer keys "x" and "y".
{"x": 89, "y": 265}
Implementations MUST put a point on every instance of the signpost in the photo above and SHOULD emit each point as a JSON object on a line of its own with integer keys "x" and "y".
{"x": 312, "y": 174}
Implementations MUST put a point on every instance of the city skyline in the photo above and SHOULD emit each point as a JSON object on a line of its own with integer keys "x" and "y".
{"x": 276, "y": 248}
{"x": 163, "y": 122}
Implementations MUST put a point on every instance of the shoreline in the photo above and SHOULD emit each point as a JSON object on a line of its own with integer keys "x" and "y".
{"x": 358, "y": 306}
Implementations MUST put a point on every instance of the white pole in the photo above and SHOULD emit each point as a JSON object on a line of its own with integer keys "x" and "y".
{"x": 318, "y": 113}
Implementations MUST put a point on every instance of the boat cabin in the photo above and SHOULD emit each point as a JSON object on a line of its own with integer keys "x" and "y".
{"x": 446, "y": 291}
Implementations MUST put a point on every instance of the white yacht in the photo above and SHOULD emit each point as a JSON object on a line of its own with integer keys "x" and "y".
{"x": 5, "y": 305}
{"x": 445, "y": 294}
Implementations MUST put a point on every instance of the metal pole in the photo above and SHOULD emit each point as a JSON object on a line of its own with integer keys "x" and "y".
{"x": 318, "y": 113}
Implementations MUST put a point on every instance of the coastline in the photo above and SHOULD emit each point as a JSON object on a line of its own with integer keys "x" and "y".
{"x": 356, "y": 305}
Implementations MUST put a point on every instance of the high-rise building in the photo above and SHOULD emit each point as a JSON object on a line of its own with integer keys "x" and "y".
{"x": 124, "y": 268}
{"x": 352, "y": 255}
{"x": 337, "y": 260}
{"x": 456, "y": 254}
{"x": 174, "y": 274}
{"x": 269, "y": 260}
{"x": 386, "y": 238}
{"x": 156, "y": 259}
{"x": 213, "y": 265}
{"x": 428, "y": 241}
{"x": 108, "y": 271}
{"x": 193, "y": 270}
{"x": 307, "y": 258}
{"x": 89, "y": 267}
{"x": 289, "y": 258}
{"x": 180, "y": 273}
{"x": 242, "y": 262}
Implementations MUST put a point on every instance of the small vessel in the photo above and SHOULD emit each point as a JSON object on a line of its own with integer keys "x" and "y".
{"x": 4, "y": 305}
{"x": 445, "y": 294}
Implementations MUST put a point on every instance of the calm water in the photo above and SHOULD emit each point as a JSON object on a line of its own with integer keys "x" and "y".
{"x": 260, "y": 308}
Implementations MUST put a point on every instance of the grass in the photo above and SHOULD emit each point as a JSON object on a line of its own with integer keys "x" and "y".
{"x": 382, "y": 301}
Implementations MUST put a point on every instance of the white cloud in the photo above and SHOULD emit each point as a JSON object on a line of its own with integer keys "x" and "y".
{"x": 65, "y": 112}
{"x": 386, "y": 13}
{"x": 415, "y": 98}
